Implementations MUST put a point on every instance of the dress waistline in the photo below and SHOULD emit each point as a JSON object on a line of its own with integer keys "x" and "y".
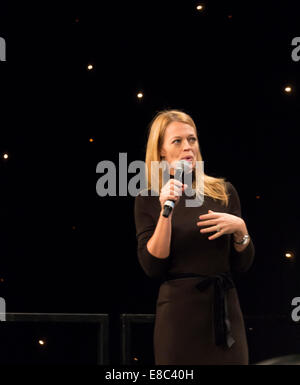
{"x": 222, "y": 282}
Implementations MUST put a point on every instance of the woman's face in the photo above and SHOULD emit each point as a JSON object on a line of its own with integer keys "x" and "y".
{"x": 180, "y": 142}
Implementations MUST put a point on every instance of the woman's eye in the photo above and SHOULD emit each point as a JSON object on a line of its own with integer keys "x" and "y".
{"x": 179, "y": 140}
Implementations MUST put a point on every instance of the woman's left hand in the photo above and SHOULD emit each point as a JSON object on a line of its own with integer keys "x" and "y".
{"x": 227, "y": 223}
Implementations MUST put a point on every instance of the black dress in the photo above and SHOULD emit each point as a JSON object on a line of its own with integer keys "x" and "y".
{"x": 198, "y": 316}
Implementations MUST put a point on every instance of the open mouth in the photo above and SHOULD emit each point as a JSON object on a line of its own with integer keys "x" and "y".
{"x": 188, "y": 158}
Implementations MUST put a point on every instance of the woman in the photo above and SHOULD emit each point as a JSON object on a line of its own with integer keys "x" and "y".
{"x": 192, "y": 251}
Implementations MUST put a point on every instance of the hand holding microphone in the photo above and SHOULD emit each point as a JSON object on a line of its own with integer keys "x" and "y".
{"x": 172, "y": 190}
{"x": 170, "y": 195}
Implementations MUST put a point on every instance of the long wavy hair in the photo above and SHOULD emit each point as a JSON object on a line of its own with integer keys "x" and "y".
{"x": 213, "y": 187}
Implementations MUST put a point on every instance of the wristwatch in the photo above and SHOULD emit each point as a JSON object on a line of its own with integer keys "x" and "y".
{"x": 243, "y": 241}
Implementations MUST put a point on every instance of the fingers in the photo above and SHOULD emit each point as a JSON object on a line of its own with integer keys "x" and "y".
{"x": 175, "y": 182}
{"x": 171, "y": 190}
{"x": 173, "y": 187}
{"x": 210, "y": 229}
{"x": 212, "y": 237}
{"x": 166, "y": 197}
{"x": 211, "y": 222}
{"x": 209, "y": 216}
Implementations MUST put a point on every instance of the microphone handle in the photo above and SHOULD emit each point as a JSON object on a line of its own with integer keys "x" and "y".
{"x": 168, "y": 207}
{"x": 170, "y": 204}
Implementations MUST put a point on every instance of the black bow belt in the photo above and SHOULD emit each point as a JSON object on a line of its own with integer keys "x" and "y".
{"x": 222, "y": 282}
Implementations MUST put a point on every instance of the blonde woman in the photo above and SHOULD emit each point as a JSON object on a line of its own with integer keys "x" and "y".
{"x": 192, "y": 252}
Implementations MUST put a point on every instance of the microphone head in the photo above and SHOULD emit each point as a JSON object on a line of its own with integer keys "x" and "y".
{"x": 184, "y": 165}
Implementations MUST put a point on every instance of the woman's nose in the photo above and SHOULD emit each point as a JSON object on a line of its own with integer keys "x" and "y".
{"x": 186, "y": 144}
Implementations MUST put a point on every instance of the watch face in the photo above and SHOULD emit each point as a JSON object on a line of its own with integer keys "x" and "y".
{"x": 245, "y": 239}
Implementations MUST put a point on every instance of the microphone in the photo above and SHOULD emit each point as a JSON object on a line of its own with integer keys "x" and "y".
{"x": 182, "y": 166}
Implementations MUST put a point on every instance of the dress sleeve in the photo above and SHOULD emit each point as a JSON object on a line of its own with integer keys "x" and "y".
{"x": 240, "y": 261}
{"x": 145, "y": 225}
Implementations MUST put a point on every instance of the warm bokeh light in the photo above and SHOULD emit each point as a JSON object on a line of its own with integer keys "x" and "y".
{"x": 257, "y": 196}
{"x": 5, "y": 156}
{"x": 140, "y": 95}
{"x": 91, "y": 140}
{"x": 200, "y": 7}
{"x": 41, "y": 342}
{"x": 289, "y": 254}
{"x": 288, "y": 89}
{"x": 135, "y": 359}
{"x": 90, "y": 67}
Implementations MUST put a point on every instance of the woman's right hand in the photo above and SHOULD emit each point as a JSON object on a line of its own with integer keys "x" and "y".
{"x": 172, "y": 190}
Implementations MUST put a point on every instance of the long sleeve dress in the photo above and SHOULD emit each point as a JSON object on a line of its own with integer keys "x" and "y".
{"x": 198, "y": 316}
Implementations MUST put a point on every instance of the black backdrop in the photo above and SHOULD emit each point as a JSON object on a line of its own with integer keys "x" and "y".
{"x": 64, "y": 248}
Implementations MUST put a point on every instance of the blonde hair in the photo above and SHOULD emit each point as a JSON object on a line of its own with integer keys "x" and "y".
{"x": 213, "y": 187}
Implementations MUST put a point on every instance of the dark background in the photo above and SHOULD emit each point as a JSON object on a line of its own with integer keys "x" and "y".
{"x": 66, "y": 249}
